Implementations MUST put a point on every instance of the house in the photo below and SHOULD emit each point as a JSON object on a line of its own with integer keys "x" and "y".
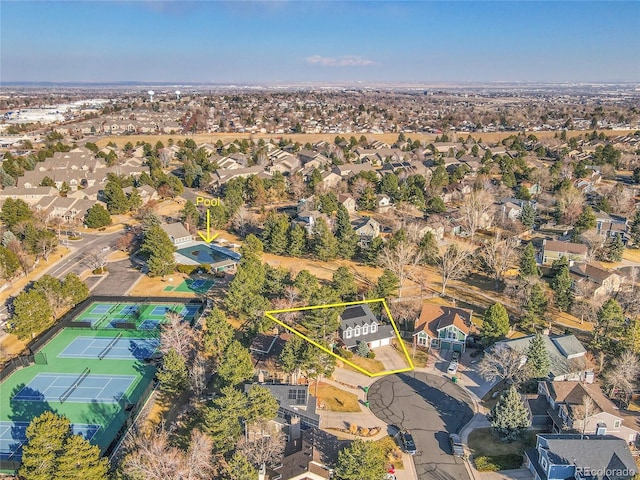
{"x": 308, "y": 455}
{"x": 565, "y": 408}
{"x": 589, "y": 279}
{"x": 367, "y": 229}
{"x": 146, "y": 192}
{"x": 442, "y": 327}
{"x": 553, "y": 250}
{"x": 511, "y": 211}
{"x": 348, "y": 202}
{"x": 359, "y": 324}
{"x": 383, "y": 203}
{"x": 563, "y": 456}
{"x": 331, "y": 179}
{"x": 609, "y": 226}
{"x": 27, "y": 195}
{"x": 566, "y": 355}
{"x": 308, "y": 219}
{"x": 177, "y": 233}
{"x": 293, "y": 401}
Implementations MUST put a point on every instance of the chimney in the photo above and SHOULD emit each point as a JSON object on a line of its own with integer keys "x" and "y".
{"x": 294, "y": 428}
{"x": 545, "y": 332}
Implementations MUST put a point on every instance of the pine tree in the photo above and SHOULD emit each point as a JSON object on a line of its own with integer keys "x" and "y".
{"x": 157, "y": 247}
{"x": 362, "y": 350}
{"x": 345, "y": 234}
{"x": 244, "y": 297}
{"x": 306, "y": 283}
{"x": 97, "y": 216}
{"x": 429, "y": 249}
{"x": 509, "y": 417}
{"x": 528, "y": 215}
{"x": 609, "y": 328}
{"x": 528, "y": 265}
{"x": 634, "y": 229}
{"x": 9, "y": 263}
{"x": 534, "y": 309}
{"x": 586, "y": 221}
{"x": 297, "y": 240}
{"x": 32, "y": 313}
{"x": 361, "y": 461}
{"x": 236, "y": 365}
{"x": 538, "y": 363}
{"x": 53, "y": 452}
{"x": 370, "y": 254}
{"x": 116, "y": 200}
{"x": 561, "y": 286}
{"x": 344, "y": 284}
{"x": 613, "y": 250}
{"x": 223, "y": 420}
{"x": 495, "y": 324}
{"x": 275, "y": 234}
{"x": 134, "y": 202}
{"x": 387, "y": 285}
{"x": 173, "y": 376}
{"x": 325, "y": 245}
{"x": 262, "y": 406}
{"x": 240, "y": 468}
{"x": 190, "y": 215}
{"x": 217, "y": 335}
{"x": 367, "y": 201}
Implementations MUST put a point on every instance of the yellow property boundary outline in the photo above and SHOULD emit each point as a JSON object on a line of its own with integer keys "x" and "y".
{"x": 270, "y": 314}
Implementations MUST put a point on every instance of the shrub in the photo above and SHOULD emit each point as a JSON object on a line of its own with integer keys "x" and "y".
{"x": 371, "y": 355}
{"x": 494, "y": 463}
{"x": 484, "y": 464}
{"x": 100, "y": 271}
{"x": 188, "y": 269}
{"x": 206, "y": 268}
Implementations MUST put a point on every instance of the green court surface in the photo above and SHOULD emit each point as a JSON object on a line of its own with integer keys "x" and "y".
{"x": 102, "y": 315}
{"x": 191, "y": 285}
{"x": 98, "y": 406}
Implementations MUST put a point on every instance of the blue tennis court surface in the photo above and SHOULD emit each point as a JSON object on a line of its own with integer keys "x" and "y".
{"x": 93, "y": 388}
{"x": 101, "y": 309}
{"x": 122, "y": 349}
{"x": 14, "y": 434}
{"x": 189, "y": 311}
{"x": 160, "y": 311}
{"x": 149, "y": 325}
{"x": 129, "y": 309}
{"x": 198, "y": 283}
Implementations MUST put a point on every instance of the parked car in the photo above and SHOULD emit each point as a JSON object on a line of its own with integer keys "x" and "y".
{"x": 453, "y": 367}
{"x": 457, "y": 449}
{"x": 408, "y": 445}
{"x": 455, "y": 356}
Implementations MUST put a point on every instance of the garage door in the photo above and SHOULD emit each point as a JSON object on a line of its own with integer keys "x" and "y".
{"x": 457, "y": 347}
{"x": 374, "y": 344}
{"x": 385, "y": 341}
{"x": 445, "y": 345}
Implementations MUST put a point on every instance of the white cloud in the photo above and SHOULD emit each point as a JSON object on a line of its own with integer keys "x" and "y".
{"x": 343, "y": 61}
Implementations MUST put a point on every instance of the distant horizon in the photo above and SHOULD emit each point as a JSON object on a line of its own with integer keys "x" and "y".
{"x": 285, "y": 41}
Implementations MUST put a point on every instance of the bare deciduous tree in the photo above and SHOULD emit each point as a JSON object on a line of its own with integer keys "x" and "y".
{"x": 581, "y": 414}
{"x": 499, "y": 255}
{"x": 97, "y": 259}
{"x": 622, "y": 374}
{"x": 198, "y": 375}
{"x": 401, "y": 260}
{"x": 504, "y": 363}
{"x": 178, "y": 335}
{"x": 570, "y": 202}
{"x": 476, "y": 211}
{"x": 453, "y": 263}
{"x": 264, "y": 447}
{"x": 242, "y": 221}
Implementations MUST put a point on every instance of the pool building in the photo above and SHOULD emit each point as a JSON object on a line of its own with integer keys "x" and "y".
{"x": 194, "y": 252}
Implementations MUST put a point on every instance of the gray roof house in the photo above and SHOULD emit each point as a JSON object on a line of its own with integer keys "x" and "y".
{"x": 359, "y": 324}
{"x": 293, "y": 401}
{"x": 559, "y": 457}
{"x": 566, "y": 353}
{"x": 177, "y": 233}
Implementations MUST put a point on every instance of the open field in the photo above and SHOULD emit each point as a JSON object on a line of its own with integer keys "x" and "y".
{"x": 369, "y": 364}
{"x": 327, "y": 137}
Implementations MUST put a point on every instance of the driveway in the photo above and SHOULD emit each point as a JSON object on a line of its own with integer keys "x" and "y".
{"x": 431, "y": 407}
{"x": 390, "y": 358}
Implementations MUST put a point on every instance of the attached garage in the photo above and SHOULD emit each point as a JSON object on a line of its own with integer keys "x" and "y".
{"x": 379, "y": 343}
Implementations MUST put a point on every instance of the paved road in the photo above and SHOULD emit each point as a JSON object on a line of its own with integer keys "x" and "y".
{"x": 76, "y": 261}
{"x": 430, "y": 407}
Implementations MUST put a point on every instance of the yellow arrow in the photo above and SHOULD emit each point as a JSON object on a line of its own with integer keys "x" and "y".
{"x": 208, "y": 238}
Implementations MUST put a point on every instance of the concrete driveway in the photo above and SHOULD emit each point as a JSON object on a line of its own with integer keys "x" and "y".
{"x": 391, "y": 358}
{"x": 431, "y": 407}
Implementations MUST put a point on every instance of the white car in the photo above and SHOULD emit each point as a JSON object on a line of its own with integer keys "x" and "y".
{"x": 453, "y": 368}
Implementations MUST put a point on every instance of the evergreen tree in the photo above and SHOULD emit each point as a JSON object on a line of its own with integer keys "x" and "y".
{"x": 610, "y": 327}
{"x": 158, "y": 249}
{"x": 97, "y": 216}
{"x": 306, "y": 283}
{"x": 528, "y": 215}
{"x": 370, "y": 254}
{"x": 345, "y": 234}
{"x": 14, "y": 212}
{"x": 344, "y": 284}
{"x": 528, "y": 265}
{"x": 52, "y": 452}
{"x": 387, "y": 285}
{"x": 252, "y": 248}
{"x": 613, "y": 249}
{"x": 275, "y": 234}
{"x": 538, "y": 363}
{"x": 173, "y": 376}
{"x": 634, "y": 229}
{"x": 561, "y": 286}
{"x": 362, "y": 350}
{"x": 322, "y": 323}
{"x": 240, "y": 468}
{"x": 495, "y": 325}
{"x": 262, "y": 406}
{"x": 325, "y": 245}
{"x": 292, "y": 354}
{"x": 9, "y": 263}
{"x": 361, "y": 461}
{"x": 509, "y": 417}
{"x": 217, "y": 335}
{"x": 534, "y": 309}
{"x": 429, "y": 249}
{"x": 367, "y": 201}
{"x": 74, "y": 290}
{"x": 116, "y": 200}
{"x": 190, "y": 215}
{"x": 236, "y": 365}
{"x": 223, "y": 419}
{"x": 134, "y": 201}
{"x": 31, "y": 314}
{"x": 297, "y": 240}
{"x": 586, "y": 221}
{"x": 244, "y": 297}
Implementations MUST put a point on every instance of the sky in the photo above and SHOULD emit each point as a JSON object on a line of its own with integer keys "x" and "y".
{"x": 283, "y": 41}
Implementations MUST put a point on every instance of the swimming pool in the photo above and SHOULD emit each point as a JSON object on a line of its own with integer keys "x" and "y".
{"x": 205, "y": 254}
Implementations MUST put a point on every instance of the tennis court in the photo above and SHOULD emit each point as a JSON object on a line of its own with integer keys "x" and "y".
{"x": 14, "y": 434}
{"x": 117, "y": 348}
{"x": 65, "y": 387}
{"x": 131, "y": 316}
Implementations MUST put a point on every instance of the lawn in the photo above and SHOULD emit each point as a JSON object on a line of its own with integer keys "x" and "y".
{"x": 335, "y": 399}
{"x": 490, "y": 453}
{"x": 421, "y": 356}
{"x": 369, "y": 364}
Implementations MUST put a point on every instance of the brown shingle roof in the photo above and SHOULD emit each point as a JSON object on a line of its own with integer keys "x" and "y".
{"x": 565, "y": 247}
{"x": 434, "y": 317}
